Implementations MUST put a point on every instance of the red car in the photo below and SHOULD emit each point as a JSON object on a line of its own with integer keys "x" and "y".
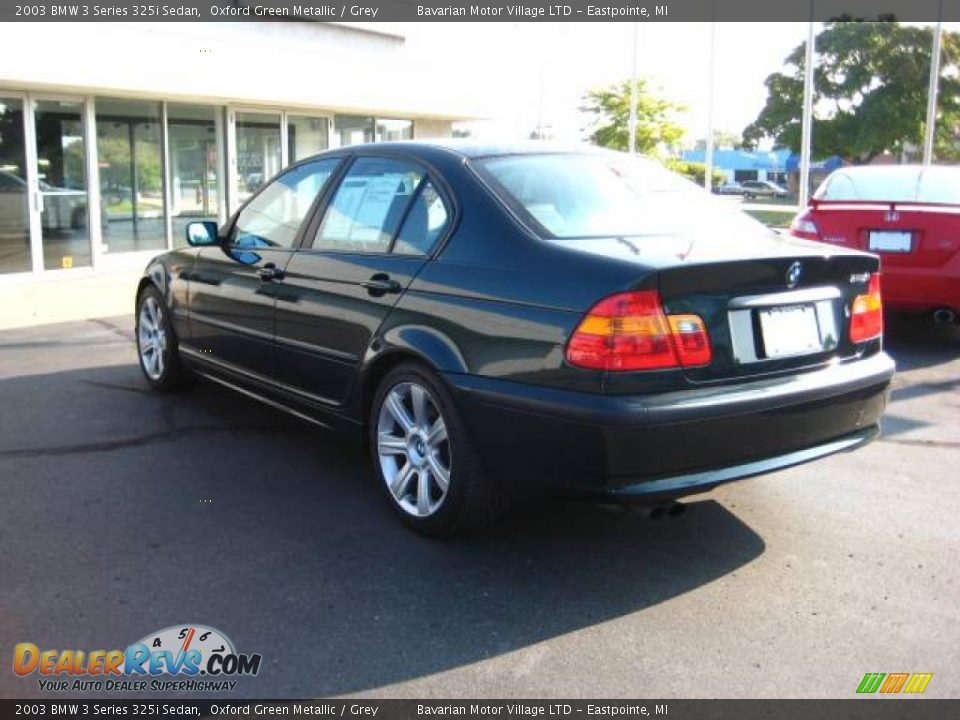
{"x": 907, "y": 214}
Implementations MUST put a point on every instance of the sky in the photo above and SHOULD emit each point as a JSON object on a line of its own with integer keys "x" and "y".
{"x": 532, "y": 71}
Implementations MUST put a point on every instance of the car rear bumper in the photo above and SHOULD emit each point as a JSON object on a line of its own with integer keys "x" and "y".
{"x": 671, "y": 444}
{"x": 922, "y": 289}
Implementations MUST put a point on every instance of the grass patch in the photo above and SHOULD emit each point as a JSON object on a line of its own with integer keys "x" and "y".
{"x": 772, "y": 218}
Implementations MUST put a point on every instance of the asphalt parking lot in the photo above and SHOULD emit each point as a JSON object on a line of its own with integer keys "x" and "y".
{"x": 123, "y": 512}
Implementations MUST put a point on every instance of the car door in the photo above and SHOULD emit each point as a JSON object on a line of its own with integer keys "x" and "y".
{"x": 233, "y": 287}
{"x": 359, "y": 254}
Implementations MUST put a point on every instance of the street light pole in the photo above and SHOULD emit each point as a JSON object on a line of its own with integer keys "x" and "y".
{"x": 932, "y": 90}
{"x": 708, "y": 157}
{"x": 632, "y": 123}
{"x": 807, "y": 128}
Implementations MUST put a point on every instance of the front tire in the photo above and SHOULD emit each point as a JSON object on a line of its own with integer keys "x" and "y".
{"x": 423, "y": 459}
{"x": 157, "y": 343}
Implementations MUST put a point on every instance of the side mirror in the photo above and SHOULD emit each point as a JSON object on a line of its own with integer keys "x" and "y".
{"x": 202, "y": 234}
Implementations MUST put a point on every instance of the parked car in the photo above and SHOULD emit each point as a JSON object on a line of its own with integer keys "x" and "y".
{"x": 63, "y": 208}
{"x": 731, "y": 188}
{"x": 910, "y": 216}
{"x": 763, "y": 188}
{"x": 503, "y": 320}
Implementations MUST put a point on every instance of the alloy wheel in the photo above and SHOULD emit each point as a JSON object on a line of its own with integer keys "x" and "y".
{"x": 413, "y": 449}
{"x": 151, "y": 338}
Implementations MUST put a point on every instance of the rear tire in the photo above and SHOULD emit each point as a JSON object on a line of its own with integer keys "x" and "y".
{"x": 157, "y": 347}
{"x": 423, "y": 459}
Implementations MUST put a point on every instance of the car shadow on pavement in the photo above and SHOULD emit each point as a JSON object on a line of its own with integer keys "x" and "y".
{"x": 915, "y": 341}
{"x": 125, "y": 512}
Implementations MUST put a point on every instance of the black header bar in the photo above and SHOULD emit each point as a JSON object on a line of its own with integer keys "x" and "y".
{"x": 453, "y": 11}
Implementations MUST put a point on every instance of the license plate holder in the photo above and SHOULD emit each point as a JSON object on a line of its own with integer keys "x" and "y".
{"x": 891, "y": 241}
{"x": 790, "y": 330}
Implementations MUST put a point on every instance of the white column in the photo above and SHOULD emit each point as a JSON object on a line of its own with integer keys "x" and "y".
{"x": 97, "y": 248}
{"x": 35, "y": 199}
{"x": 931, "y": 127}
{"x": 167, "y": 180}
{"x": 233, "y": 186}
{"x": 807, "y": 130}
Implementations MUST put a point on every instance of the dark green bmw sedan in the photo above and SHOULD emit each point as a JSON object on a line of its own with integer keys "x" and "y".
{"x": 506, "y": 320}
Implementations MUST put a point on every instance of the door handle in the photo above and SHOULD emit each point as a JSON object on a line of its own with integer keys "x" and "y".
{"x": 270, "y": 272}
{"x": 381, "y": 284}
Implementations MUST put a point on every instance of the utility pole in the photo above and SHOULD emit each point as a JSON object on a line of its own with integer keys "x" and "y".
{"x": 708, "y": 156}
{"x": 930, "y": 130}
{"x": 632, "y": 123}
{"x": 807, "y": 129}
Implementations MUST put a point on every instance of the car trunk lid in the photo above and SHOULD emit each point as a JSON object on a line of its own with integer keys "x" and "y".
{"x": 905, "y": 235}
{"x": 754, "y": 290}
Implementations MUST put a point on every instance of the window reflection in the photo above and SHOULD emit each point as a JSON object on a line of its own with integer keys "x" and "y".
{"x": 129, "y": 141}
{"x": 394, "y": 130}
{"x": 306, "y": 136}
{"x": 258, "y": 151}
{"x": 353, "y": 130}
{"x": 14, "y": 210}
{"x": 195, "y": 167}
{"x": 61, "y": 176}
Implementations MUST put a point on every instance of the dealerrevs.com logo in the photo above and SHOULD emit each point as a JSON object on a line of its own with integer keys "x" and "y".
{"x": 199, "y": 657}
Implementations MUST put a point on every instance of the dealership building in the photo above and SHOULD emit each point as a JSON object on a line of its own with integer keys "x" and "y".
{"x": 114, "y": 136}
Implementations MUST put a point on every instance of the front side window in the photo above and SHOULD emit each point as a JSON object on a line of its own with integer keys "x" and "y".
{"x": 274, "y": 216}
{"x": 369, "y": 206}
{"x": 571, "y": 195}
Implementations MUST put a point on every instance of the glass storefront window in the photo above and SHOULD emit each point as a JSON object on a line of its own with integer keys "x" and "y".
{"x": 394, "y": 130}
{"x": 195, "y": 166}
{"x": 14, "y": 198}
{"x": 306, "y": 136}
{"x": 61, "y": 174}
{"x": 130, "y": 161}
{"x": 353, "y": 130}
{"x": 258, "y": 151}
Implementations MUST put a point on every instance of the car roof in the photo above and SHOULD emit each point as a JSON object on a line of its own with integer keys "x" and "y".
{"x": 470, "y": 148}
{"x": 904, "y": 171}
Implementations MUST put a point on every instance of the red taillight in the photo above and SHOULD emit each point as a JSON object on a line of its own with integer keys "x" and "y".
{"x": 866, "y": 315}
{"x": 629, "y": 331}
{"x": 803, "y": 226}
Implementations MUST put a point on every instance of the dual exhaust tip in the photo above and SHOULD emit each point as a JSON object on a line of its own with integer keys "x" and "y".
{"x": 944, "y": 316}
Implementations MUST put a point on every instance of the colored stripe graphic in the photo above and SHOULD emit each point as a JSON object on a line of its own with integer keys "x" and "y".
{"x": 870, "y": 682}
{"x": 894, "y": 682}
{"x": 918, "y": 682}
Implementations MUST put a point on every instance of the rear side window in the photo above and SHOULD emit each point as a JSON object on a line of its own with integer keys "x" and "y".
{"x": 425, "y": 222}
{"x": 368, "y": 207}
{"x": 273, "y": 217}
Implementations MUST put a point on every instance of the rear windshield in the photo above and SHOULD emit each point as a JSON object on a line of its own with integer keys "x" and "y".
{"x": 575, "y": 195}
{"x": 893, "y": 184}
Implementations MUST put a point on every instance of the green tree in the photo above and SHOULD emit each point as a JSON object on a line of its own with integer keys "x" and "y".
{"x": 870, "y": 92}
{"x": 610, "y": 111}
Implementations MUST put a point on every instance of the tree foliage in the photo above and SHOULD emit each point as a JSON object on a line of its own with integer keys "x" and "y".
{"x": 870, "y": 92}
{"x": 610, "y": 108}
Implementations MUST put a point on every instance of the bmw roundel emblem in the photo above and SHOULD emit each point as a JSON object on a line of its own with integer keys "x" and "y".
{"x": 793, "y": 274}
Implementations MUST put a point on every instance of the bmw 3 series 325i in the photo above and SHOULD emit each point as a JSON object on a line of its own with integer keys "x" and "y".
{"x": 503, "y": 320}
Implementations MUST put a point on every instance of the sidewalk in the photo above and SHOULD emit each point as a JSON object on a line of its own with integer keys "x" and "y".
{"x": 62, "y": 299}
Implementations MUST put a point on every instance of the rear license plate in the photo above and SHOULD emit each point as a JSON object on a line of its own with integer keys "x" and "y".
{"x": 890, "y": 241}
{"x": 790, "y": 330}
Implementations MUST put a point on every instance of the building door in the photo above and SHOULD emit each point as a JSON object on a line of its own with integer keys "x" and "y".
{"x": 44, "y": 201}
{"x": 15, "y": 256}
{"x": 61, "y": 197}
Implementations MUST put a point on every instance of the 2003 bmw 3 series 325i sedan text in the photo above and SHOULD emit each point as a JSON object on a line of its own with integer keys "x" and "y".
{"x": 506, "y": 320}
